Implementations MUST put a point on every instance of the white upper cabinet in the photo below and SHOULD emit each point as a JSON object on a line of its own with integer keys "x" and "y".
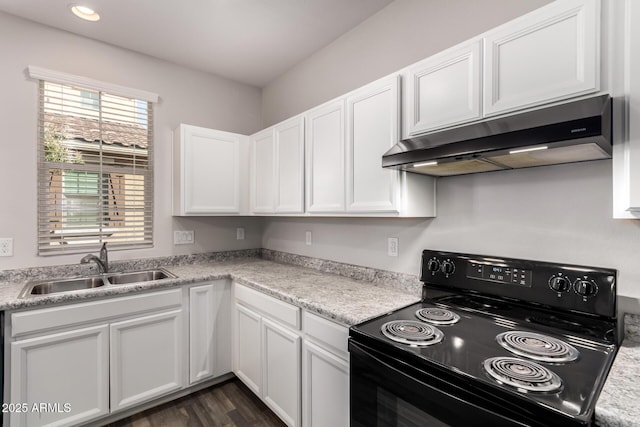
{"x": 372, "y": 128}
{"x": 262, "y": 172}
{"x": 277, "y": 168}
{"x": 289, "y": 176}
{"x": 624, "y": 68}
{"x": 209, "y": 172}
{"x": 345, "y": 141}
{"x": 325, "y": 150}
{"x": 444, "y": 89}
{"x": 547, "y": 55}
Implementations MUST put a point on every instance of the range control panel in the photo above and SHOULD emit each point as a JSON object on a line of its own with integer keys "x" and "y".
{"x": 590, "y": 290}
{"x": 499, "y": 273}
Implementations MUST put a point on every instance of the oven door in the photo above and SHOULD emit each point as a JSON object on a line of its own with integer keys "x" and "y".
{"x": 385, "y": 392}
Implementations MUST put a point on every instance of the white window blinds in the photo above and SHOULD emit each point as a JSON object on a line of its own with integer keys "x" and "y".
{"x": 95, "y": 174}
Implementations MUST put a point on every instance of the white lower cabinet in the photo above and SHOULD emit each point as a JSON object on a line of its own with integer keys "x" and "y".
{"x": 146, "y": 358}
{"x": 267, "y": 353}
{"x": 75, "y": 364}
{"x": 296, "y": 362}
{"x": 281, "y": 375}
{"x": 209, "y": 331}
{"x": 325, "y": 388}
{"x": 67, "y": 370}
{"x": 325, "y": 373}
{"x": 248, "y": 348}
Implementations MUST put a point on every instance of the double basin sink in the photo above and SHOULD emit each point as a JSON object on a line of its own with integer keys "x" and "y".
{"x": 46, "y": 287}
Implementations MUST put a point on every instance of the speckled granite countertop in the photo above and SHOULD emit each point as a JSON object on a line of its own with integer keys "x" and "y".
{"x": 618, "y": 405}
{"x": 336, "y": 296}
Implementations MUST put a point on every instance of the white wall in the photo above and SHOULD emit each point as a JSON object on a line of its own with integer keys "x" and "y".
{"x": 400, "y": 34}
{"x": 553, "y": 213}
{"x": 185, "y": 96}
{"x": 556, "y": 213}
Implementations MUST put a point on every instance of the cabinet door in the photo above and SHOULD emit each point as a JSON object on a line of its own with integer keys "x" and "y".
{"x": 208, "y": 171}
{"x": 325, "y": 388}
{"x": 248, "y": 363}
{"x": 549, "y": 54}
{"x": 325, "y": 158}
{"x": 146, "y": 358}
{"x": 209, "y": 331}
{"x": 372, "y": 128}
{"x": 289, "y": 189}
{"x": 625, "y": 68}
{"x": 263, "y": 171}
{"x": 281, "y": 369}
{"x": 444, "y": 90}
{"x": 68, "y": 368}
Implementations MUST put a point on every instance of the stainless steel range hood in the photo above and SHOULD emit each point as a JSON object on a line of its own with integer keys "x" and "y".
{"x": 573, "y": 132}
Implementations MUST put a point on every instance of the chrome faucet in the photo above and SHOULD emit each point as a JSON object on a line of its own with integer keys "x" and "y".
{"x": 103, "y": 261}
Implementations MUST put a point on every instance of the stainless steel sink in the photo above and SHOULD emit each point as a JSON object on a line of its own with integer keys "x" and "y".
{"x": 46, "y": 287}
{"x": 138, "y": 277}
{"x": 62, "y": 285}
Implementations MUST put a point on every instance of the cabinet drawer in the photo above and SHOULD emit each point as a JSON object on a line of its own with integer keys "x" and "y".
{"x": 27, "y": 322}
{"x": 278, "y": 310}
{"x": 329, "y": 333}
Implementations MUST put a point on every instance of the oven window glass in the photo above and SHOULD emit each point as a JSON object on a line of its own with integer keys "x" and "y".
{"x": 393, "y": 411}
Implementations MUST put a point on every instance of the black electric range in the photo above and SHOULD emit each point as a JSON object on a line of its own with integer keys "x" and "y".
{"x": 494, "y": 340}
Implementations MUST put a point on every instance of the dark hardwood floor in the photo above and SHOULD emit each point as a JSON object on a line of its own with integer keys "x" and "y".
{"x": 228, "y": 404}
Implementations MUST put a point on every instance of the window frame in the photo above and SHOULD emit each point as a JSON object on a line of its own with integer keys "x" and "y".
{"x": 114, "y": 182}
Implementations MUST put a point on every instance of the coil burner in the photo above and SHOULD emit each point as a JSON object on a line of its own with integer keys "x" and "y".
{"x": 437, "y": 316}
{"x": 522, "y": 374}
{"x": 537, "y": 347}
{"x": 412, "y": 332}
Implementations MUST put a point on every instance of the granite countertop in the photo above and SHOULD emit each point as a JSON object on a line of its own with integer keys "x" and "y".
{"x": 343, "y": 299}
{"x": 346, "y": 293}
{"x": 618, "y": 403}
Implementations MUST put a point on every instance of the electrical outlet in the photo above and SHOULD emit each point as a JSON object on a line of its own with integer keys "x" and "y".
{"x": 308, "y": 238}
{"x": 183, "y": 237}
{"x": 392, "y": 246}
{"x": 6, "y": 246}
{"x": 240, "y": 233}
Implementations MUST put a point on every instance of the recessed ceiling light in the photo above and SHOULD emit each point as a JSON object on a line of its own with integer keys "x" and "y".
{"x": 85, "y": 13}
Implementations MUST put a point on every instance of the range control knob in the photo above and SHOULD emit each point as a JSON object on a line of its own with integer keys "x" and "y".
{"x": 448, "y": 267}
{"x": 585, "y": 287}
{"x": 559, "y": 283}
{"x": 433, "y": 265}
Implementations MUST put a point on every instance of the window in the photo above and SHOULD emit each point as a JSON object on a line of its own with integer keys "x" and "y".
{"x": 95, "y": 175}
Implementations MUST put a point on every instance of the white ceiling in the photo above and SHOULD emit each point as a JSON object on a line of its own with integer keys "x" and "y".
{"x": 251, "y": 41}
